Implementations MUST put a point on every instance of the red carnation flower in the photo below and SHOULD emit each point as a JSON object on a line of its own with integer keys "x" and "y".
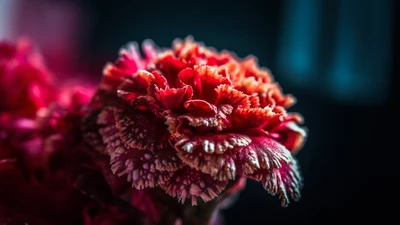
{"x": 191, "y": 119}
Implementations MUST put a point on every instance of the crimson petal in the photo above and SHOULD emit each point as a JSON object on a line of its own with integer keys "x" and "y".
{"x": 190, "y": 183}
{"x": 142, "y": 130}
{"x": 138, "y": 165}
{"x": 167, "y": 160}
{"x": 289, "y": 133}
{"x": 164, "y": 159}
{"x": 200, "y": 105}
{"x": 254, "y": 101}
{"x": 137, "y": 84}
{"x": 214, "y": 155}
{"x": 270, "y": 94}
{"x": 287, "y": 181}
{"x": 173, "y": 98}
{"x": 215, "y": 117}
{"x": 204, "y": 80}
{"x": 263, "y": 153}
{"x": 170, "y": 67}
{"x": 159, "y": 80}
{"x": 228, "y": 95}
{"x": 127, "y": 64}
{"x": 150, "y": 50}
{"x": 243, "y": 119}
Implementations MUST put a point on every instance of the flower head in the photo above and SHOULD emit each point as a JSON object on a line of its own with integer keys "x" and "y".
{"x": 190, "y": 119}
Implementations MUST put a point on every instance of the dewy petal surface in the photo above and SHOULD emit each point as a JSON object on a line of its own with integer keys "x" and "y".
{"x": 138, "y": 165}
{"x": 142, "y": 130}
{"x": 263, "y": 153}
{"x": 214, "y": 154}
{"x": 192, "y": 184}
{"x": 143, "y": 168}
{"x": 285, "y": 181}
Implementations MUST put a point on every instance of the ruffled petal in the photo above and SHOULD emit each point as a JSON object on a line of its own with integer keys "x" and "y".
{"x": 172, "y": 124}
{"x": 228, "y": 95}
{"x": 243, "y": 119}
{"x": 251, "y": 69}
{"x": 205, "y": 116}
{"x": 290, "y": 135}
{"x": 129, "y": 62}
{"x": 218, "y": 143}
{"x": 186, "y": 48}
{"x": 254, "y": 101}
{"x": 173, "y": 98}
{"x": 144, "y": 168}
{"x": 122, "y": 90}
{"x": 275, "y": 95}
{"x": 166, "y": 160}
{"x": 200, "y": 121}
{"x": 214, "y": 155}
{"x": 200, "y": 106}
{"x": 105, "y": 125}
{"x": 204, "y": 80}
{"x": 136, "y": 85}
{"x": 150, "y": 50}
{"x": 159, "y": 80}
{"x": 263, "y": 153}
{"x": 270, "y": 94}
{"x": 139, "y": 166}
{"x": 142, "y": 130}
{"x": 285, "y": 181}
{"x": 170, "y": 66}
{"x": 190, "y": 183}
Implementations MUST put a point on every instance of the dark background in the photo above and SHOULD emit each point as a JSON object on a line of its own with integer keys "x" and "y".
{"x": 337, "y": 57}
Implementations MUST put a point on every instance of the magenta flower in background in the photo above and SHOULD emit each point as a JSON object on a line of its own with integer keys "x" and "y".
{"x": 41, "y": 151}
{"x": 23, "y": 79}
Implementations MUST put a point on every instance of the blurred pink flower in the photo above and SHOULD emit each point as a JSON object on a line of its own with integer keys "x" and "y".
{"x": 41, "y": 152}
{"x": 24, "y": 79}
